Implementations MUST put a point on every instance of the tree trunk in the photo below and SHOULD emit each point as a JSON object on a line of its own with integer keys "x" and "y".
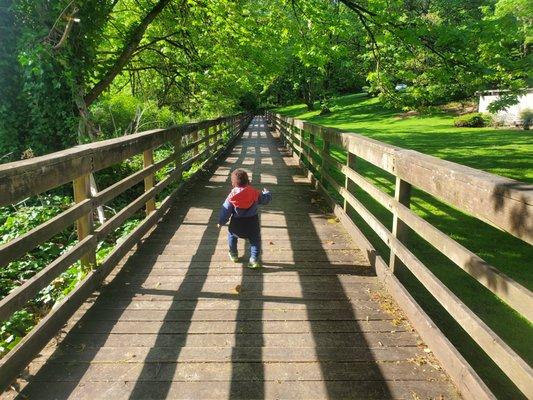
{"x": 86, "y": 130}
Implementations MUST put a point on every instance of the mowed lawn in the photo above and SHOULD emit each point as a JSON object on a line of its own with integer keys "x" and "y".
{"x": 506, "y": 152}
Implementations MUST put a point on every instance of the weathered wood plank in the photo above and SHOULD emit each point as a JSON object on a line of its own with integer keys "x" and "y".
{"x": 236, "y": 354}
{"x": 250, "y": 390}
{"x": 225, "y": 372}
{"x": 235, "y": 315}
{"x": 215, "y": 327}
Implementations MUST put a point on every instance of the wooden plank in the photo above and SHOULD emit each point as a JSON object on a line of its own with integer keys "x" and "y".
{"x": 116, "y": 221}
{"x": 504, "y": 203}
{"x": 194, "y": 145}
{"x": 18, "y": 247}
{"x": 248, "y": 389}
{"x": 239, "y": 354}
{"x": 221, "y": 372}
{"x": 104, "y": 303}
{"x": 121, "y": 186}
{"x": 195, "y": 138}
{"x": 234, "y": 315}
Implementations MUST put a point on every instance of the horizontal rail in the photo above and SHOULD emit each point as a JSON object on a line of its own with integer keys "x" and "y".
{"x": 502, "y": 202}
{"x": 22, "y": 179}
{"x": 446, "y": 181}
{"x": 121, "y": 186}
{"x": 17, "y": 247}
{"x": 500, "y": 284}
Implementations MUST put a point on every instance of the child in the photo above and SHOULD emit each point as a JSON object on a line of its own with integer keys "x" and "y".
{"x": 241, "y": 205}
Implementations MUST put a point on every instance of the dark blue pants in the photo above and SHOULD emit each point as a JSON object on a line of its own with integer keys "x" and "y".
{"x": 245, "y": 228}
{"x": 255, "y": 244}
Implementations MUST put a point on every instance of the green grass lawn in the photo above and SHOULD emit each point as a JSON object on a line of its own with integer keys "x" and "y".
{"x": 506, "y": 152}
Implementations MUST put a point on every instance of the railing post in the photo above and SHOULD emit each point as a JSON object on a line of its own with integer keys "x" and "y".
{"x": 324, "y": 165}
{"x": 301, "y": 143}
{"x": 179, "y": 156}
{"x": 402, "y": 193}
{"x": 148, "y": 159}
{"x": 84, "y": 225}
{"x": 218, "y": 127}
{"x": 208, "y": 141}
{"x": 195, "y": 150}
{"x": 348, "y": 184}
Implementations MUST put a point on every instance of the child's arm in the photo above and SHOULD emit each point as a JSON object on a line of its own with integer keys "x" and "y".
{"x": 225, "y": 213}
{"x": 265, "y": 197}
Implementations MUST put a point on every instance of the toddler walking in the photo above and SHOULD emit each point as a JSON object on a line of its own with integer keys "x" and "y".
{"x": 241, "y": 209}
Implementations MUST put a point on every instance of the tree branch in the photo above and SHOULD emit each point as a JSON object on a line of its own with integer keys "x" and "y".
{"x": 126, "y": 53}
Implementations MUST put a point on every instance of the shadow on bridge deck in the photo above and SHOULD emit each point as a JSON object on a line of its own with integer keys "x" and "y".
{"x": 171, "y": 324}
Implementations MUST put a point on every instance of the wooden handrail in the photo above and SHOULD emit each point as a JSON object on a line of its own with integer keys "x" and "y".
{"x": 504, "y": 203}
{"x": 23, "y": 179}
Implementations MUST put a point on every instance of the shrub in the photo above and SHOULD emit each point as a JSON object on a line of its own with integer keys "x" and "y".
{"x": 472, "y": 120}
{"x": 527, "y": 118}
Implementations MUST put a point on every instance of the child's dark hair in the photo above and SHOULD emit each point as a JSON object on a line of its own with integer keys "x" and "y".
{"x": 239, "y": 177}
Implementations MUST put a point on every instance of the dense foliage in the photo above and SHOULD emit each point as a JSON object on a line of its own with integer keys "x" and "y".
{"x": 137, "y": 64}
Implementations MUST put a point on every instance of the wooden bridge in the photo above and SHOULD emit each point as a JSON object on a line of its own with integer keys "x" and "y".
{"x": 325, "y": 318}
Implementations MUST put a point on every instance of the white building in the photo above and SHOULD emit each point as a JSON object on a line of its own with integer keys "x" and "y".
{"x": 511, "y": 115}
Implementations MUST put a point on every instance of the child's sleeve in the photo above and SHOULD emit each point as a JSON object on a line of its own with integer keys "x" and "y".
{"x": 265, "y": 197}
{"x": 225, "y": 213}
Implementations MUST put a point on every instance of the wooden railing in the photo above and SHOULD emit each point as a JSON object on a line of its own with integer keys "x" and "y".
{"x": 20, "y": 180}
{"x": 503, "y": 203}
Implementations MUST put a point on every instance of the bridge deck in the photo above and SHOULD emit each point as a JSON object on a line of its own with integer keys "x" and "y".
{"x": 178, "y": 320}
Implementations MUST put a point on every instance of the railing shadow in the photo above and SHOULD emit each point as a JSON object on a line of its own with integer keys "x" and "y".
{"x": 347, "y": 369}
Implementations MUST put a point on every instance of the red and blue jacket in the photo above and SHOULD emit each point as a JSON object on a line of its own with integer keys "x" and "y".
{"x": 242, "y": 202}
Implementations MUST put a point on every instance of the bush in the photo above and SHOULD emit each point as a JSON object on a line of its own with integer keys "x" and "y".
{"x": 527, "y": 118}
{"x": 473, "y": 120}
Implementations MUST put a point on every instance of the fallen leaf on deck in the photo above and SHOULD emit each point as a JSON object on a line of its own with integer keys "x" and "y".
{"x": 237, "y": 289}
